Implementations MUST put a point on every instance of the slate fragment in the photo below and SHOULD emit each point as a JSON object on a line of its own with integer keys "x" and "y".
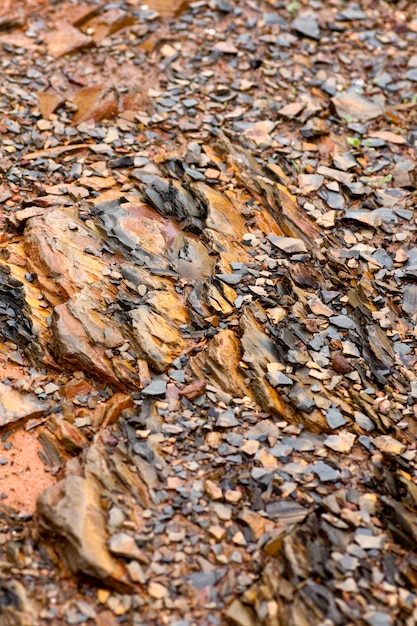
{"x": 286, "y": 512}
{"x": 156, "y": 388}
{"x": 335, "y": 418}
{"x": 356, "y": 107}
{"x": 409, "y": 304}
{"x": 405, "y": 174}
{"x": 307, "y": 25}
{"x": 289, "y": 245}
{"x": 279, "y": 379}
{"x": 325, "y": 472}
{"x": 170, "y": 198}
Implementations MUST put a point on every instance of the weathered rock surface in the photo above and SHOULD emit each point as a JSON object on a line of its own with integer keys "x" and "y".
{"x": 219, "y": 362}
{"x": 155, "y": 339}
{"x": 19, "y": 610}
{"x": 357, "y": 107}
{"x": 137, "y": 226}
{"x": 257, "y": 351}
{"x": 63, "y": 254}
{"x": 222, "y": 216}
{"x": 16, "y": 406}
{"x": 67, "y": 39}
{"x": 71, "y": 511}
{"x": 72, "y": 345}
{"x": 190, "y": 258}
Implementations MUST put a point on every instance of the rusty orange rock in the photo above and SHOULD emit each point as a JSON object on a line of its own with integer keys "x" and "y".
{"x": 115, "y": 407}
{"x": 67, "y": 39}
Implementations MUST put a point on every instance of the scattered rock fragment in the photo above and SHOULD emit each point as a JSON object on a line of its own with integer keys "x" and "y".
{"x": 240, "y": 614}
{"x": 307, "y": 25}
{"x": 289, "y": 245}
{"x": 343, "y": 442}
{"x": 353, "y": 106}
{"x": 341, "y": 364}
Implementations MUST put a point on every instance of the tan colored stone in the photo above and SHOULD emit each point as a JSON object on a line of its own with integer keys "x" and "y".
{"x": 66, "y": 40}
{"x": 388, "y": 444}
{"x": 220, "y": 362}
{"x": 71, "y": 512}
{"x": 258, "y": 350}
{"x": 168, "y": 8}
{"x": 48, "y": 102}
{"x": 256, "y": 522}
{"x": 156, "y": 590}
{"x": 155, "y": 340}
{"x": 241, "y": 615}
{"x": 96, "y": 102}
{"x": 54, "y": 245}
{"x": 250, "y": 447}
{"x": 108, "y": 23}
{"x": 319, "y": 308}
{"x": 260, "y": 133}
{"x": 115, "y": 407}
{"x": 16, "y": 406}
{"x": 222, "y": 216}
{"x": 72, "y": 344}
{"x": 213, "y": 491}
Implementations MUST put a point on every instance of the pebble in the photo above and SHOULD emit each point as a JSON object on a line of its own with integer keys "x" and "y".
{"x": 325, "y": 472}
{"x": 340, "y": 443}
{"x": 157, "y": 591}
{"x": 155, "y": 388}
{"x": 307, "y": 25}
{"x": 335, "y": 418}
{"x": 226, "y": 419}
{"x": 289, "y": 245}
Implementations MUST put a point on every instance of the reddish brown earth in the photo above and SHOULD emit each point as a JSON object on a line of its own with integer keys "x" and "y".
{"x": 25, "y": 476}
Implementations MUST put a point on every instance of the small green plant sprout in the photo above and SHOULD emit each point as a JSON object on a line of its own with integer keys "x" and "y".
{"x": 385, "y": 179}
{"x": 354, "y": 141}
{"x": 292, "y": 7}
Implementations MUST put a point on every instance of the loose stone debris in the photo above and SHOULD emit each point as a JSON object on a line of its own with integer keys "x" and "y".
{"x": 208, "y": 310}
